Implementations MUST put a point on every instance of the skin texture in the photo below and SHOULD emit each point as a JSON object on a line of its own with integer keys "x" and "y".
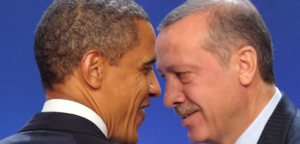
{"x": 118, "y": 94}
{"x": 129, "y": 85}
{"x": 216, "y": 103}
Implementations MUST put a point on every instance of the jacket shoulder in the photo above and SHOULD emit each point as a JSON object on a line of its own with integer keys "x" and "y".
{"x": 51, "y": 137}
{"x": 294, "y": 132}
{"x": 43, "y": 137}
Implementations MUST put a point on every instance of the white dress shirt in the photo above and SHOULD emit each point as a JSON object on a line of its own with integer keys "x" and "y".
{"x": 71, "y": 107}
{"x": 252, "y": 133}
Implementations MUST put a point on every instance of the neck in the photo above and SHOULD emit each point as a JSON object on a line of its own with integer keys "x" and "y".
{"x": 257, "y": 95}
{"x": 73, "y": 89}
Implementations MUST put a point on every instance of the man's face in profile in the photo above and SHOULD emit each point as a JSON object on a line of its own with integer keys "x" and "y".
{"x": 128, "y": 87}
{"x": 202, "y": 91}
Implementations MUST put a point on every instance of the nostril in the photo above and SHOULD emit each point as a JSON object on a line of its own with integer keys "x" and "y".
{"x": 152, "y": 95}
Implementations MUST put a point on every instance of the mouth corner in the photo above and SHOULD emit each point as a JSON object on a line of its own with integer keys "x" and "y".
{"x": 186, "y": 115}
{"x": 144, "y": 106}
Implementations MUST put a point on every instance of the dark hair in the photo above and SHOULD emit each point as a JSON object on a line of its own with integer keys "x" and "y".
{"x": 232, "y": 24}
{"x": 71, "y": 27}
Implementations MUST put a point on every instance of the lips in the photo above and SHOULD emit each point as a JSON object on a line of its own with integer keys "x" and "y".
{"x": 141, "y": 114}
{"x": 187, "y": 115}
{"x": 142, "y": 108}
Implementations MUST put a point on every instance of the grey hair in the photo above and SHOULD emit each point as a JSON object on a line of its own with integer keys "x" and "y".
{"x": 187, "y": 8}
{"x": 232, "y": 24}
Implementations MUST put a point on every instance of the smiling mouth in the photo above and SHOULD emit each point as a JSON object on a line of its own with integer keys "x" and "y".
{"x": 186, "y": 111}
{"x": 142, "y": 108}
{"x": 187, "y": 115}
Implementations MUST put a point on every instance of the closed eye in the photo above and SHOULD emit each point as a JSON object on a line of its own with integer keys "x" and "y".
{"x": 184, "y": 77}
{"x": 179, "y": 74}
{"x": 148, "y": 69}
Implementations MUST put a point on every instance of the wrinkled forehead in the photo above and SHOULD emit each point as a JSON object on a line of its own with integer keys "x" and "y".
{"x": 182, "y": 38}
{"x": 186, "y": 33}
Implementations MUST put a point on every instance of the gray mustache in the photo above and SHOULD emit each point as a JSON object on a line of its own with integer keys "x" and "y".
{"x": 186, "y": 109}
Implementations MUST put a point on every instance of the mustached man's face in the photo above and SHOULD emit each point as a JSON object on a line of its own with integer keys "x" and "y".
{"x": 202, "y": 91}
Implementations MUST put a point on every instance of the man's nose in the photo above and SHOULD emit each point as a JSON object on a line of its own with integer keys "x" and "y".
{"x": 154, "y": 87}
{"x": 173, "y": 94}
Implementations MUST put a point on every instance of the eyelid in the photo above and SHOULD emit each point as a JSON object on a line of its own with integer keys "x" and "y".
{"x": 179, "y": 74}
{"x": 147, "y": 69}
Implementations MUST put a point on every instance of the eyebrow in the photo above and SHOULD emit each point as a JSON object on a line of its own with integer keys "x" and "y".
{"x": 150, "y": 62}
{"x": 174, "y": 67}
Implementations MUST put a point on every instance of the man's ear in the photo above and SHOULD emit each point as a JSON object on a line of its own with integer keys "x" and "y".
{"x": 92, "y": 64}
{"x": 247, "y": 58}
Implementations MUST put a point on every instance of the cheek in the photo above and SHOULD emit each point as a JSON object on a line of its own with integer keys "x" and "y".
{"x": 201, "y": 90}
{"x": 132, "y": 85}
{"x": 139, "y": 87}
{"x": 132, "y": 120}
{"x": 134, "y": 93}
{"x": 208, "y": 93}
{"x": 126, "y": 94}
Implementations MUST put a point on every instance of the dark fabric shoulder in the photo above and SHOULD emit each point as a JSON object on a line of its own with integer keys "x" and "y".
{"x": 52, "y": 137}
{"x": 39, "y": 137}
{"x": 294, "y": 133}
{"x": 278, "y": 126}
{"x": 58, "y": 128}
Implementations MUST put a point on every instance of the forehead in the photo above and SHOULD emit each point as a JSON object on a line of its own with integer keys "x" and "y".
{"x": 192, "y": 28}
{"x": 181, "y": 39}
{"x": 146, "y": 35}
{"x": 144, "y": 50}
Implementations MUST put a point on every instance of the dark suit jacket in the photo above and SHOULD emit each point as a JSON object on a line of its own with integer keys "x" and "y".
{"x": 283, "y": 126}
{"x": 58, "y": 128}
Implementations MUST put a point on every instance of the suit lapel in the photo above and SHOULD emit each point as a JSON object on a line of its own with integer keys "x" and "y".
{"x": 276, "y": 129}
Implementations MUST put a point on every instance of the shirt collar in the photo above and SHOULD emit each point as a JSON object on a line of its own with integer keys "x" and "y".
{"x": 71, "y": 107}
{"x": 253, "y": 132}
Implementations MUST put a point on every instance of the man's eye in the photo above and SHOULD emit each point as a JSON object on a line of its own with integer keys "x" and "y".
{"x": 179, "y": 74}
{"x": 146, "y": 70}
{"x": 183, "y": 77}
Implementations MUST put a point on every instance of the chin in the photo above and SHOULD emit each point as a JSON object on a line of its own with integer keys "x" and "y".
{"x": 194, "y": 139}
{"x": 197, "y": 136}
